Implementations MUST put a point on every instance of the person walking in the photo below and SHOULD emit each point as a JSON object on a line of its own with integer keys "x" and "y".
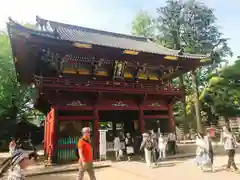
{"x": 117, "y": 147}
{"x": 162, "y": 147}
{"x": 12, "y": 146}
{"x": 204, "y": 151}
{"x": 200, "y": 149}
{"x": 229, "y": 145}
{"x": 172, "y": 143}
{"x": 85, "y": 155}
{"x": 19, "y": 162}
{"x": 155, "y": 146}
{"x": 147, "y": 145}
{"x": 129, "y": 146}
{"x": 209, "y": 149}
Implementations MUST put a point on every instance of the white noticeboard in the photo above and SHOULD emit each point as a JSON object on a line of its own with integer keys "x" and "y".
{"x": 103, "y": 144}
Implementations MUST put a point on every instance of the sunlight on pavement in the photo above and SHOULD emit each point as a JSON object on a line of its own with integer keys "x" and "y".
{"x": 175, "y": 169}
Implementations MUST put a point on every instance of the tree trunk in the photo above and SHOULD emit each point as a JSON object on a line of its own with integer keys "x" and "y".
{"x": 184, "y": 105}
{"x": 181, "y": 83}
{"x": 196, "y": 101}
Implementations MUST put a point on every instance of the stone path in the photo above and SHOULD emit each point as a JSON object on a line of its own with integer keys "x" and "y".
{"x": 175, "y": 169}
{"x": 104, "y": 174}
{"x": 3, "y": 156}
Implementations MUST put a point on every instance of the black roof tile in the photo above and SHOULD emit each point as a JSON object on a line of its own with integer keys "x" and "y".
{"x": 109, "y": 39}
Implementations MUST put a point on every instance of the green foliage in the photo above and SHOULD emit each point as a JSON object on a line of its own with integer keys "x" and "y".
{"x": 15, "y": 100}
{"x": 143, "y": 25}
{"x": 190, "y": 25}
{"x": 223, "y": 92}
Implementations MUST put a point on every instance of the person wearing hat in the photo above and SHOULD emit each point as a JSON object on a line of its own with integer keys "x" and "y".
{"x": 85, "y": 155}
{"x": 20, "y": 161}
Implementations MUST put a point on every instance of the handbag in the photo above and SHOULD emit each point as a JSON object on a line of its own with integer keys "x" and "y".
{"x": 130, "y": 150}
{"x": 121, "y": 153}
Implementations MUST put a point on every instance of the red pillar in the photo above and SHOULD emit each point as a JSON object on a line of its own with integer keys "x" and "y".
{"x": 55, "y": 133}
{"x": 47, "y": 142}
{"x": 45, "y": 135}
{"x": 171, "y": 118}
{"x": 141, "y": 120}
{"x": 52, "y": 136}
{"x": 96, "y": 132}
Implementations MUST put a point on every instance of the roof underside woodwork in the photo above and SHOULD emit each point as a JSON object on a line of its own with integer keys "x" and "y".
{"x": 59, "y": 49}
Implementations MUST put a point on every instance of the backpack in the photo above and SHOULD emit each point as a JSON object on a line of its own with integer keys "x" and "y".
{"x": 77, "y": 153}
{"x": 149, "y": 145}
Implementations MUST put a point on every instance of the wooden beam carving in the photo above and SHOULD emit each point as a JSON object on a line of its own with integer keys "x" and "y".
{"x": 96, "y": 64}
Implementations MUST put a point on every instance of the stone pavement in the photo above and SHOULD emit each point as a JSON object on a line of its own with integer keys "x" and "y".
{"x": 3, "y": 156}
{"x": 40, "y": 169}
{"x": 175, "y": 169}
{"x": 103, "y": 174}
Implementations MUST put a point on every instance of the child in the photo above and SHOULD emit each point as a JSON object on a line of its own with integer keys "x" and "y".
{"x": 20, "y": 161}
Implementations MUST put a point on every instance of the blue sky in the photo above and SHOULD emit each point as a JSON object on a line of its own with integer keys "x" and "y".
{"x": 113, "y": 15}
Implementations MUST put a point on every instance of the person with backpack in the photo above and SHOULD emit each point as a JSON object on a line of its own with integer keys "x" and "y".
{"x": 229, "y": 145}
{"x": 147, "y": 145}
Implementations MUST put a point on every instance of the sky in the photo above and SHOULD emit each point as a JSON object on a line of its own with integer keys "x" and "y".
{"x": 112, "y": 15}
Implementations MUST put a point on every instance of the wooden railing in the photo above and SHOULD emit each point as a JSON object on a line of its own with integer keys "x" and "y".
{"x": 101, "y": 85}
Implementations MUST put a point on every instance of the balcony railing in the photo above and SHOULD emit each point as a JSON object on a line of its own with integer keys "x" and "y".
{"x": 104, "y": 85}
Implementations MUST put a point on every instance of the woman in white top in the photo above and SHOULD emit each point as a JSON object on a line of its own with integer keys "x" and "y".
{"x": 12, "y": 146}
{"x": 202, "y": 151}
{"x": 162, "y": 147}
{"x": 117, "y": 147}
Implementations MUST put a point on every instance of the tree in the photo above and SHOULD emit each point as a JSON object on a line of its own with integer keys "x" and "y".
{"x": 191, "y": 25}
{"x": 201, "y": 35}
{"x": 16, "y": 101}
{"x": 169, "y": 22}
{"x": 143, "y": 25}
{"x": 223, "y": 91}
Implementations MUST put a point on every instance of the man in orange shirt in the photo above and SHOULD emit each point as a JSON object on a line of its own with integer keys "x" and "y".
{"x": 85, "y": 155}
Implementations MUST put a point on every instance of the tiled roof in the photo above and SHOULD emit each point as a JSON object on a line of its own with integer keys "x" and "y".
{"x": 110, "y": 39}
